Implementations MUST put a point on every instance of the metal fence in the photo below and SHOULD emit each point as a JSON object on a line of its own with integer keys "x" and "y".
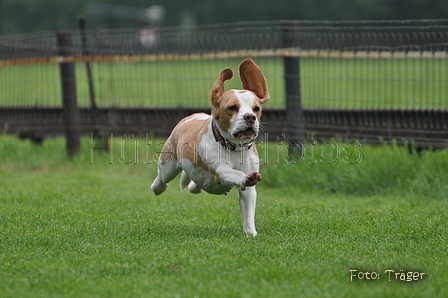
{"x": 377, "y": 81}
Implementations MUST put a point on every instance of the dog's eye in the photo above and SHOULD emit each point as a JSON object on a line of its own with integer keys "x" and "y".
{"x": 233, "y": 108}
{"x": 256, "y": 109}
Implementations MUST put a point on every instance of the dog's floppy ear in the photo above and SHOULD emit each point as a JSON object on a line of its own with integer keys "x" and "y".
{"x": 218, "y": 88}
{"x": 253, "y": 79}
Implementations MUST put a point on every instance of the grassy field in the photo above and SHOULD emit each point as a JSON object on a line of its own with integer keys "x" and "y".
{"x": 325, "y": 83}
{"x": 90, "y": 227}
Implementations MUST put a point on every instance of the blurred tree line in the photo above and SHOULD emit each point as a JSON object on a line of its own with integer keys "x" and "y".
{"x": 19, "y": 16}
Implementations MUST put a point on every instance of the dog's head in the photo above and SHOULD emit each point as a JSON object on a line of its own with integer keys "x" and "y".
{"x": 238, "y": 112}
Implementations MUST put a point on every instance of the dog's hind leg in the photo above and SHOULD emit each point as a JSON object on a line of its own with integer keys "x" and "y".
{"x": 166, "y": 173}
{"x": 194, "y": 188}
{"x": 185, "y": 181}
{"x": 158, "y": 187}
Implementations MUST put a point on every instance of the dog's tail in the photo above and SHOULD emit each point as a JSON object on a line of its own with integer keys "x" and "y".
{"x": 184, "y": 180}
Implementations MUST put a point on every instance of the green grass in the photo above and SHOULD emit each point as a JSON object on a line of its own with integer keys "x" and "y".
{"x": 90, "y": 227}
{"x": 325, "y": 83}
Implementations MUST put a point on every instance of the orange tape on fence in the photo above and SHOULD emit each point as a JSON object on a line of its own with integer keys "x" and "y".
{"x": 291, "y": 52}
{"x": 150, "y": 57}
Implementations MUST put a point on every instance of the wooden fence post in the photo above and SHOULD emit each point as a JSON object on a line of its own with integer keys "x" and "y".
{"x": 82, "y": 28}
{"x": 294, "y": 113}
{"x": 69, "y": 97}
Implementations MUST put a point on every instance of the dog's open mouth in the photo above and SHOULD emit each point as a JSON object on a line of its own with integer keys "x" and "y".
{"x": 245, "y": 134}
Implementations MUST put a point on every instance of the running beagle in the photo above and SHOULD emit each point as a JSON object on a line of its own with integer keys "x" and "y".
{"x": 217, "y": 152}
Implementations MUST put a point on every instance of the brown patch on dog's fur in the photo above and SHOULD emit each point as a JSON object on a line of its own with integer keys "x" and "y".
{"x": 253, "y": 79}
{"x": 223, "y": 114}
{"x": 259, "y": 112}
{"x": 217, "y": 91}
{"x": 185, "y": 139}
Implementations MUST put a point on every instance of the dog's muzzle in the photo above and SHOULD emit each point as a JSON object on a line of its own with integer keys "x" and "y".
{"x": 251, "y": 131}
{"x": 246, "y": 134}
{"x": 234, "y": 146}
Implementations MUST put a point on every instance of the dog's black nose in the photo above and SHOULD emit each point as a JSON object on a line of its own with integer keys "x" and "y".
{"x": 250, "y": 118}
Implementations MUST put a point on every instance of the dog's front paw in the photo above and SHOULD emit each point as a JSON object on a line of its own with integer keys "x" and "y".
{"x": 252, "y": 179}
{"x": 250, "y": 232}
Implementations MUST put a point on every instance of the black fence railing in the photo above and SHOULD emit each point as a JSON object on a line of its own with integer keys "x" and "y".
{"x": 407, "y": 35}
